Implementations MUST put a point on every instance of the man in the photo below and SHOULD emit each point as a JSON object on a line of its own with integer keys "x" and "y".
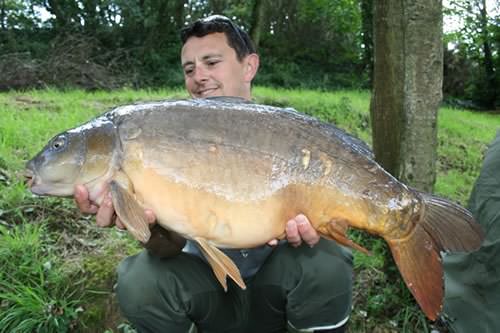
{"x": 472, "y": 280}
{"x": 305, "y": 287}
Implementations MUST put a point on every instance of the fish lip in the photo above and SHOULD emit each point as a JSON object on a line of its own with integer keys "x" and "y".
{"x": 29, "y": 177}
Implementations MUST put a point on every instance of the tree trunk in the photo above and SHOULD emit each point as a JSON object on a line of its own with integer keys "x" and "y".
{"x": 367, "y": 31}
{"x": 91, "y": 16}
{"x": 217, "y": 6}
{"x": 489, "y": 67}
{"x": 61, "y": 17}
{"x": 257, "y": 22}
{"x": 3, "y": 26}
{"x": 179, "y": 14}
{"x": 407, "y": 88}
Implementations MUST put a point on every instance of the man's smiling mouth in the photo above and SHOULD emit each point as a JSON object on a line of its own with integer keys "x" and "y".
{"x": 205, "y": 92}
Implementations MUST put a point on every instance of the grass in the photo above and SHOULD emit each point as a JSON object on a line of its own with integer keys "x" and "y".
{"x": 57, "y": 268}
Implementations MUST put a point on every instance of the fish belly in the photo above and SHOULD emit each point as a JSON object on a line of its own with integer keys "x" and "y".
{"x": 194, "y": 212}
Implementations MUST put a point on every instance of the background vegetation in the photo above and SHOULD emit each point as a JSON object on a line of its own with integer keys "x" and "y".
{"x": 322, "y": 44}
{"x": 57, "y": 269}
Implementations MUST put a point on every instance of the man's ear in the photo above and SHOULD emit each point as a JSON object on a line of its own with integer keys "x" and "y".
{"x": 251, "y": 66}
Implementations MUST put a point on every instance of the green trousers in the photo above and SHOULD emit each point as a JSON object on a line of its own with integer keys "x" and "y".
{"x": 472, "y": 280}
{"x": 305, "y": 287}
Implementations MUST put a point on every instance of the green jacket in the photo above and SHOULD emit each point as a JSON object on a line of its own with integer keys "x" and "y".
{"x": 472, "y": 280}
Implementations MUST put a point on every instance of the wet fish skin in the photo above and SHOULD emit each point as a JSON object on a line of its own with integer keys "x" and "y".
{"x": 227, "y": 173}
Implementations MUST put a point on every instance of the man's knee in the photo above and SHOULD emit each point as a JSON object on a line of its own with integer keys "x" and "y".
{"x": 135, "y": 287}
{"x": 323, "y": 294}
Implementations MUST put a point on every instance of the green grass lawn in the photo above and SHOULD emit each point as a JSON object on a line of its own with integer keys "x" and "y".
{"x": 57, "y": 268}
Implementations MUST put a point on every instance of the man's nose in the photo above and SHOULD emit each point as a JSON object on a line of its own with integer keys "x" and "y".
{"x": 200, "y": 75}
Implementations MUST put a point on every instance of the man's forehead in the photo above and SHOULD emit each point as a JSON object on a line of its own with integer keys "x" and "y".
{"x": 199, "y": 47}
{"x": 202, "y": 57}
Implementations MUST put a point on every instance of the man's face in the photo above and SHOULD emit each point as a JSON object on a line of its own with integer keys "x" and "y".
{"x": 211, "y": 68}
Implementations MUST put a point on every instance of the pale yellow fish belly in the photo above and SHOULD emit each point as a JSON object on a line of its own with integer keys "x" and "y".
{"x": 196, "y": 213}
{"x": 229, "y": 224}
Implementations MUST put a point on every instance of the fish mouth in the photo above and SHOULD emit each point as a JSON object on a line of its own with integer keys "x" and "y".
{"x": 29, "y": 177}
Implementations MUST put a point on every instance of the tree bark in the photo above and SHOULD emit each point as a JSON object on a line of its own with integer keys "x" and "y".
{"x": 179, "y": 14}
{"x": 367, "y": 30}
{"x": 3, "y": 26}
{"x": 408, "y": 72}
{"x": 257, "y": 22}
{"x": 489, "y": 67}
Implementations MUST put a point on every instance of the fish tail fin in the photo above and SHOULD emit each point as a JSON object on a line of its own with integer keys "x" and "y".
{"x": 443, "y": 226}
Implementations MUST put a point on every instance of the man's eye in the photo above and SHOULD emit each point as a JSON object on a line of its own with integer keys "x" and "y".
{"x": 188, "y": 71}
{"x": 212, "y": 63}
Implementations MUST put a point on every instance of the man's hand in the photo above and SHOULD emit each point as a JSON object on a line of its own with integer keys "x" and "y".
{"x": 105, "y": 212}
{"x": 299, "y": 230}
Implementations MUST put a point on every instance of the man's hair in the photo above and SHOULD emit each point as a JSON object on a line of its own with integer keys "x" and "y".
{"x": 236, "y": 37}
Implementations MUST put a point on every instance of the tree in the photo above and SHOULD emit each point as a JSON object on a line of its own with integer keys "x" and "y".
{"x": 408, "y": 66}
{"x": 257, "y": 22}
{"x": 475, "y": 43}
{"x": 367, "y": 32}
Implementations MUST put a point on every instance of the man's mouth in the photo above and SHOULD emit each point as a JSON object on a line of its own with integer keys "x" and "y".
{"x": 205, "y": 92}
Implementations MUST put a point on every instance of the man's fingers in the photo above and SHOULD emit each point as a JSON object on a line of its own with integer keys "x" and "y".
{"x": 119, "y": 224}
{"x": 82, "y": 200}
{"x": 292, "y": 233}
{"x": 104, "y": 216}
{"x": 273, "y": 242}
{"x": 150, "y": 216}
{"x": 306, "y": 230}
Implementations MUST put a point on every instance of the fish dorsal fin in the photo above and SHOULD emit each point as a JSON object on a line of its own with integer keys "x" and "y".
{"x": 337, "y": 230}
{"x": 221, "y": 264}
{"x": 128, "y": 209}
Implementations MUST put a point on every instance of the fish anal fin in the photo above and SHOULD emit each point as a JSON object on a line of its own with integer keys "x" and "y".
{"x": 337, "y": 230}
{"x": 130, "y": 212}
{"x": 419, "y": 263}
{"x": 221, "y": 264}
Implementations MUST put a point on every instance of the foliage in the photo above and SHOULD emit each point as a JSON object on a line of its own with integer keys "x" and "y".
{"x": 57, "y": 267}
{"x": 137, "y": 43}
{"x": 472, "y": 62}
{"x": 304, "y": 44}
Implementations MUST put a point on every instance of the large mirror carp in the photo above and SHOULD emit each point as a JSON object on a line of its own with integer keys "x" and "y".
{"x": 229, "y": 174}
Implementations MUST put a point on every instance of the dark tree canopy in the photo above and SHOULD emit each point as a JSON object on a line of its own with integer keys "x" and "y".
{"x": 325, "y": 44}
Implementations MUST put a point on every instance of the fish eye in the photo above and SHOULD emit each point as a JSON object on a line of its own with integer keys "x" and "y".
{"x": 58, "y": 143}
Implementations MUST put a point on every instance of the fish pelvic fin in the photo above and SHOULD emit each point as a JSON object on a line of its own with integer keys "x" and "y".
{"x": 221, "y": 264}
{"x": 336, "y": 230}
{"x": 129, "y": 211}
{"x": 442, "y": 226}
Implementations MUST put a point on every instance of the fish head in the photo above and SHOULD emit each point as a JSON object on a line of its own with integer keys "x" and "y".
{"x": 83, "y": 155}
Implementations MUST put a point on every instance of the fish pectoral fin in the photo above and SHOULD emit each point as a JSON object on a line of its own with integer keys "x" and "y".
{"x": 130, "y": 212}
{"x": 337, "y": 230}
{"x": 221, "y": 264}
